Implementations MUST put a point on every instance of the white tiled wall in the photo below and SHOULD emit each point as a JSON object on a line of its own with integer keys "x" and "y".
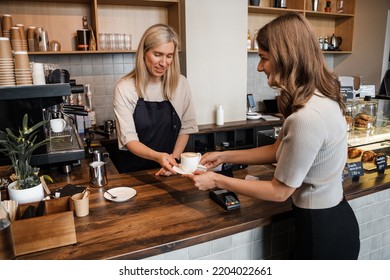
{"x": 373, "y": 214}
{"x": 257, "y": 82}
{"x": 274, "y": 241}
{"x": 103, "y": 70}
{"x": 100, "y": 70}
{"x": 269, "y": 242}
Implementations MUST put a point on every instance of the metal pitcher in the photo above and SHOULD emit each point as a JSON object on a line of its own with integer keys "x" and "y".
{"x": 336, "y": 41}
{"x": 98, "y": 174}
{"x": 101, "y": 156}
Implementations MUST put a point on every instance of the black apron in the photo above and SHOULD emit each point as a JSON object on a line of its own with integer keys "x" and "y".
{"x": 157, "y": 125}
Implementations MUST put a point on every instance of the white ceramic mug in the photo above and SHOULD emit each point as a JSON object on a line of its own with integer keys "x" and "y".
{"x": 189, "y": 161}
{"x": 57, "y": 125}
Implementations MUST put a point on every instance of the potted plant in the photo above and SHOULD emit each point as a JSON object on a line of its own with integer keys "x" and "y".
{"x": 19, "y": 149}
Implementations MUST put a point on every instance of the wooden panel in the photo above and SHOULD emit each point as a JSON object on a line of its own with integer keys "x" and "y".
{"x": 323, "y": 27}
{"x": 129, "y": 20}
{"x": 324, "y": 24}
{"x": 344, "y": 28}
{"x": 60, "y": 20}
{"x": 41, "y": 233}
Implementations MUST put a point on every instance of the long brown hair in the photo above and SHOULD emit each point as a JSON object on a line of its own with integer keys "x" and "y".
{"x": 299, "y": 67}
{"x": 154, "y": 36}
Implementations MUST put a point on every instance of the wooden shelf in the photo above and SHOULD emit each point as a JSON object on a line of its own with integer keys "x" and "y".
{"x": 270, "y": 10}
{"x": 80, "y": 52}
{"x": 62, "y": 18}
{"x": 309, "y": 14}
{"x": 324, "y": 23}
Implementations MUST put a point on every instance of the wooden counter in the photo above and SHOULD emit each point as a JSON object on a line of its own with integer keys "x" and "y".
{"x": 168, "y": 213}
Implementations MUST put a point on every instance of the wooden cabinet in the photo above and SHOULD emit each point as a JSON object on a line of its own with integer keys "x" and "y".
{"x": 324, "y": 23}
{"x": 62, "y": 19}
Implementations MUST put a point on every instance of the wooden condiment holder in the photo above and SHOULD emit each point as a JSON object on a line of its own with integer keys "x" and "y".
{"x": 54, "y": 229}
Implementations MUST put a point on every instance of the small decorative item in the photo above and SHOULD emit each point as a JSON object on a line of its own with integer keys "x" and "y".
{"x": 340, "y": 6}
{"x": 328, "y": 7}
{"x": 314, "y": 5}
{"x": 254, "y": 2}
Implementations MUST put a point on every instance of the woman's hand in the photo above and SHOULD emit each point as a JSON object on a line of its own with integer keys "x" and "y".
{"x": 167, "y": 163}
{"x": 202, "y": 180}
{"x": 211, "y": 160}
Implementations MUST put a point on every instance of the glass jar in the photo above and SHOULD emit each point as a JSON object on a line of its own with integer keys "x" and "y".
{"x": 350, "y": 113}
{"x": 366, "y": 116}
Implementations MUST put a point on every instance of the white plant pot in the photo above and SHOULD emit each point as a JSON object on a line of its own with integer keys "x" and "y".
{"x": 25, "y": 195}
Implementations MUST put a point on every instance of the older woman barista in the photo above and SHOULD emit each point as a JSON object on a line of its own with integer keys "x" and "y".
{"x": 310, "y": 150}
{"x": 153, "y": 105}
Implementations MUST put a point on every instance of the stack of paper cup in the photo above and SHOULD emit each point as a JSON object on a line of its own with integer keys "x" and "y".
{"x": 22, "y": 36}
{"x": 38, "y": 74}
{"x": 6, "y": 25}
{"x": 31, "y": 38}
{"x": 7, "y": 67}
{"x": 22, "y": 68}
{"x": 16, "y": 39}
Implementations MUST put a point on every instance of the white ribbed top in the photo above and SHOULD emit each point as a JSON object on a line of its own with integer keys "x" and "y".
{"x": 313, "y": 152}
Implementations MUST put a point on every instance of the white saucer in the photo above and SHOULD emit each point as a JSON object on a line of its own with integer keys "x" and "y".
{"x": 178, "y": 169}
{"x": 253, "y": 117}
{"x": 121, "y": 193}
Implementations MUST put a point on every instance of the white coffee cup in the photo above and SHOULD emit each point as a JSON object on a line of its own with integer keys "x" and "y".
{"x": 38, "y": 74}
{"x": 189, "y": 161}
{"x": 57, "y": 125}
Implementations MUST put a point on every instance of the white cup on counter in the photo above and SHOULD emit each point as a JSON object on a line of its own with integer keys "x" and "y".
{"x": 189, "y": 161}
{"x": 57, "y": 125}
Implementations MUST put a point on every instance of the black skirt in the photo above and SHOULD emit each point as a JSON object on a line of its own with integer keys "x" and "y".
{"x": 326, "y": 234}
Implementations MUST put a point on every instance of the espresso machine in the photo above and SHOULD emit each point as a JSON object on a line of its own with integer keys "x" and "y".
{"x": 43, "y": 102}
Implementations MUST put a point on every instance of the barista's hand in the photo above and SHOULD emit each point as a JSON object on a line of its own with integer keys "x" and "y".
{"x": 167, "y": 162}
{"x": 211, "y": 160}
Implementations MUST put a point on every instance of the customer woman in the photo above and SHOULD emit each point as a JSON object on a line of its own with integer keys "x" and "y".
{"x": 153, "y": 106}
{"x": 310, "y": 150}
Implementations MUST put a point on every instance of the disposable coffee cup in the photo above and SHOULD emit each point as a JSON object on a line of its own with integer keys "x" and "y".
{"x": 80, "y": 204}
{"x": 6, "y": 22}
{"x": 57, "y": 125}
{"x": 5, "y": 48}
{"x": 38, "y": 74}
{"x": 189, "y": 161}
{"x": 21, "y": 60}
{"x": 15, "y": 33}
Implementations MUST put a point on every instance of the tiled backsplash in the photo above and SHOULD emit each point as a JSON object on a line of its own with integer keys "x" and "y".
{"x": 257, "y": 83}
{"x": 274, "y": 242}
{"x": 102, "y": 71}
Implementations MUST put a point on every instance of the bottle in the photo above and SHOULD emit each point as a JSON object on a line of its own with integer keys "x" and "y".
{"x": 321, "y": 43}
{"x": 79, "y": 100}
{"x": 340, "y": 6}
{"x": 255, "y": 45}
{"x": 326, "y": 43}
{"x": 71, "y": 100}
{"x": 328, "y": 7}
{"x": 91, "y": 112}
{"x": 249, "y": 41}
{"x": 6, "y": 249}
{"x": 220, "y": 115}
